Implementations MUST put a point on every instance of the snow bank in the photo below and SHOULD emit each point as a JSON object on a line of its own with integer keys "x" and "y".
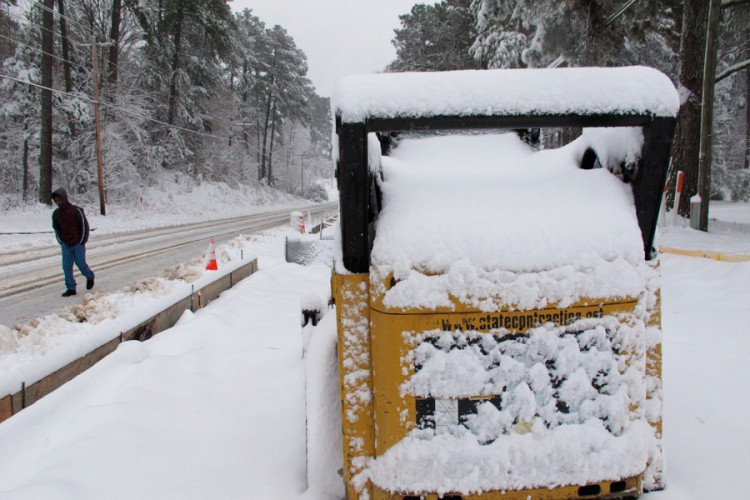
{"x": 324, "y": 446}
{"x": 29, "y": 352}
{"x": 628, "y": 90}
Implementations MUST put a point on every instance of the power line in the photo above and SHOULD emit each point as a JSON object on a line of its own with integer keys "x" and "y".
{"x": 26, "y": 20}
{"x": 619, "y": 12}
{"x": 106, "y": 61}
{"x": 54, "y": 12}
{"x": 36, "y": 49}
{"x": 124, "y": 110}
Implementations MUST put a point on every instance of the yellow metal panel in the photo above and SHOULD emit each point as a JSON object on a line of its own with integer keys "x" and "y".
{"x": 654, "y": 384}
{"x": 352, "y": 296}
{"x": 394, "y": 413}
{"x": 374, "y": 342}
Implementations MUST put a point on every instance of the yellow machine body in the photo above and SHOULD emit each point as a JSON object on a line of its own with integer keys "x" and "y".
{"x": 373, "y": 347}
{"x": 397, "y": 444}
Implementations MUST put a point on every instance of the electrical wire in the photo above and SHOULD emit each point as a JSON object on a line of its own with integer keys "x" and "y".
{"x": 54, "y": 12}
{"x": 28, "y": 21}
{"x": 107, "y": 62}
{"x": 127, "y": 111}
{"x": 36, "y": 49}
{"x": 161, "y": 94}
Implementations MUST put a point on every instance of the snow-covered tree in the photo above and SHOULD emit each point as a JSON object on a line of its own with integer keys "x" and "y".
{"x": 525, "y": 33}
{"x": 435, "y": 38}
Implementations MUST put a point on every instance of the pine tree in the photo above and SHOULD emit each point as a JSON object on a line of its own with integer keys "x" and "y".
{"x": 285, "y": 89}
{"x": 435, "y": 38}
{"x": 523, "y": 33}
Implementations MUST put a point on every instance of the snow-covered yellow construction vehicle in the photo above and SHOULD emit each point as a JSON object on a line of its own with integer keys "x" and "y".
{"x": 498, "y": 302}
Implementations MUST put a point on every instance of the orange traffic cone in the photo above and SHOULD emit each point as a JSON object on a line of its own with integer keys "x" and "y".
{"x": 212, "y": 265}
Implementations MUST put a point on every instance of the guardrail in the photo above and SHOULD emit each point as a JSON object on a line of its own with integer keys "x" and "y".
{"x": 13, "y": 403}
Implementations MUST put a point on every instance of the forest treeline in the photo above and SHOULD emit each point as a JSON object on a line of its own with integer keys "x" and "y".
{"x": 670, "y": 35}
{"x": 188, "y": 86}
{"x": 185, "y": 86}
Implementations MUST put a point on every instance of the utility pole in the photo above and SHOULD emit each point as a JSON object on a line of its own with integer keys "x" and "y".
{"x": 99, "y": 167}
{"x": 707, "y": 111}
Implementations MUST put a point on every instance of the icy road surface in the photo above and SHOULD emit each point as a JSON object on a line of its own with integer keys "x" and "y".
{"x": 31, "y": 280}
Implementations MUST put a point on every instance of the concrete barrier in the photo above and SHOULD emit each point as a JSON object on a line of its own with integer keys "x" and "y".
{"x": 12, "y": 404}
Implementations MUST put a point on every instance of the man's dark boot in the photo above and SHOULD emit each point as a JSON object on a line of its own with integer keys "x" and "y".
{"x": 69, "y": 293}
{"x": 90, "y": 284}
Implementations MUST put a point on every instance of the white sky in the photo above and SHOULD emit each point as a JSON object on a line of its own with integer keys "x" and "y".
{"x": 340, "y": 37}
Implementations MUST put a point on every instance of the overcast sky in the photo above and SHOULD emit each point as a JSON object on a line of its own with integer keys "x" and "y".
{"x": 340, "y": 37}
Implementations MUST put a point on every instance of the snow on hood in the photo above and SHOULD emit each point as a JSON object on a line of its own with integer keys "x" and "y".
{"x": 474, "y": 214}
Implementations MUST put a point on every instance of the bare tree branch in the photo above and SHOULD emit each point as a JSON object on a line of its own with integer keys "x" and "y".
{"x": 733, "y": 69}
{"x": 733, "y": 3}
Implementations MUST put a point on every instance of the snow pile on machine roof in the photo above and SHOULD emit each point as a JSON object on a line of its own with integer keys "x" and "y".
{"x": 483, "y": 216}
{"x": 627, "y": 90}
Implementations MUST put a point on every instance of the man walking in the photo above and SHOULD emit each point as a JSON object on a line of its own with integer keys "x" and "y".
{"x": 72, "y": 232}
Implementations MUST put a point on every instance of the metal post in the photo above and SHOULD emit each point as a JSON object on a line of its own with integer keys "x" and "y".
{"x": 99, "y": 168}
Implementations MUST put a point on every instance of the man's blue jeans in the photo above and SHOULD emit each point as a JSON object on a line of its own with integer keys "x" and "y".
{"x": 77, "y": 254}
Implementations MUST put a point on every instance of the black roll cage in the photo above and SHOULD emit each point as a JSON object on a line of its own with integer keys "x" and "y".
{"x": 359, "y": 204}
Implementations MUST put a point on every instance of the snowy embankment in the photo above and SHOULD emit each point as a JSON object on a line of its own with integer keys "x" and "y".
{"x": 30, "y": 352}
{"x": 174, "y": 199}
{"x": 215, "y": 407}
{"x": 212, "y": 408}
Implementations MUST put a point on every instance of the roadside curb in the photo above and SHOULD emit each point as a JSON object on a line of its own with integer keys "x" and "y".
{"x": 707, "y": 254}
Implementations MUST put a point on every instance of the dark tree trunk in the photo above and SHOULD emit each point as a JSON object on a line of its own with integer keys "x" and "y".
{"x": 270, "y": 148}
{"x": 66, "y": 62}
{"x": 707, "y": 112}
{"x": 175, "y": 67}
{"x": 45, "y": 153}
{"x": 686, "y": 143}
{"x": 747, "y": 102}
{"x": 25, "y": 162}
{"x": 257, "y": 129}
{"x": 114, "y": 50}
{"x": 65, "y": 47}
{"x": 264, "y": 150}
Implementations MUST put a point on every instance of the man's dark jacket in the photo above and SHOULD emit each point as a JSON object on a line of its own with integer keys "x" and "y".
{"x": 69, "y": 222}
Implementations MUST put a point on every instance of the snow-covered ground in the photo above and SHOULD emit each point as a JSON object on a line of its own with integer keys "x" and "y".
{"x": 174, "y": 199}
{"x": 215, "y": 407}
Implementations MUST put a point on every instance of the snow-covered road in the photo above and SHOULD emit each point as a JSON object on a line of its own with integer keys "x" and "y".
{"x": 31, "y": 279}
